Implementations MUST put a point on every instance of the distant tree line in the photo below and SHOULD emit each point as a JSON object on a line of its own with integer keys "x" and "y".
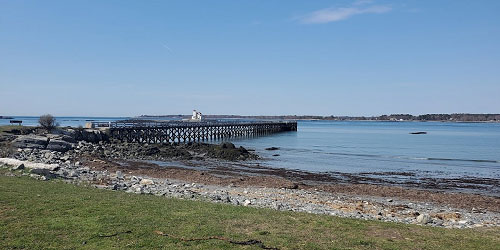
{"x": 393, "y": 117}
{"x": 426, "y": 117}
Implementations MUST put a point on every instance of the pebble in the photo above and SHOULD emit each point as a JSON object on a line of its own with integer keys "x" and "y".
{"x": 146, "y": 182}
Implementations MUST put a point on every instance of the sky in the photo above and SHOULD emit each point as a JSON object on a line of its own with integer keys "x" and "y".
{"x": 268, "y": 57}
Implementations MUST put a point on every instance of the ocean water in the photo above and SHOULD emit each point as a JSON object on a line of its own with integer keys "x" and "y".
{"x": 448, "y": 150}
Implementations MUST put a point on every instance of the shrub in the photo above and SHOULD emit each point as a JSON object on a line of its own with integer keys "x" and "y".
{"x": 47, "y": 122}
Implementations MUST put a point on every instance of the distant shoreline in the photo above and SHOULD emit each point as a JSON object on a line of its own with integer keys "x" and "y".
{"x": 451, "y": 118}
{"x": 482, "y": 118}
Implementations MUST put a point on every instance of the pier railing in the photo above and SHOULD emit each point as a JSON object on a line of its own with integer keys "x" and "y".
{"x": 184, "y": 131}
{"x": 160, "y": 124}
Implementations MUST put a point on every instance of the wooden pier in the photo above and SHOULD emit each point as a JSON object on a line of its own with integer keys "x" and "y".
{"x": 182, "y": 132}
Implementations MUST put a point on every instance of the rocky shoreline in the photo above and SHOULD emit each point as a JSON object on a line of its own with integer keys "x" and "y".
{"x": 90, "y": 158}
{"x": 286, "y": 199}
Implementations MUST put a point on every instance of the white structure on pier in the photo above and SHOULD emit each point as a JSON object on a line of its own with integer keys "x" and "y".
{"x": 197, "y": 116}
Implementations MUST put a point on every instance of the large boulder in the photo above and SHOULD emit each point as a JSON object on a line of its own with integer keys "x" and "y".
{"x": 31, "y": 141}
{"x": 89, "y": 135}
{"x": 62, "y": 137}
{"x": 59, "y": 145}
{"x": 424, "y": 219}
{"x": 29, "y": 165}
{"x": 227, "y": 145}
{"x": 229, "y": 151}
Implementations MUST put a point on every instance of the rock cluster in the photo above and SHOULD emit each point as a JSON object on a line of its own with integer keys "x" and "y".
{"x": 59, "y": 140}
{"x": 70, "y": 144}
{"x": 188, "y": 151}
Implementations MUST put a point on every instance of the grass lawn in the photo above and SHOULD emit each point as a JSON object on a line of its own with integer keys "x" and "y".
{"x": 36, "y": 214}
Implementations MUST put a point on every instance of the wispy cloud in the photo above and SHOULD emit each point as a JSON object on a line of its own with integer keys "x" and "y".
{"x": 362, "y": 2}
{"x": 341, "y": 13}
{"x": 166, "y": 47}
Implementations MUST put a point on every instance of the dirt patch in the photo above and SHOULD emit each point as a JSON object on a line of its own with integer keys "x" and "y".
{"x": 188, "y": 175}
{"x": 459, "y": 200}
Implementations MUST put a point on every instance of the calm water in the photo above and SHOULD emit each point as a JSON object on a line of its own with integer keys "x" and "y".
{"x": 448, "y": 150}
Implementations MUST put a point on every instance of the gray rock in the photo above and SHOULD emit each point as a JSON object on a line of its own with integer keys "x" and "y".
{"x": 31, "y": 141}
{"x": 119, "y": 174}
{"x": 59, "y": 145}
{"x": 91, "y": 135}
{"x": 84, "y": 169}
{"x": 42, "y": 172}
{"x": 48, "y": 155}
{"x": 246, "y": 203}
{"x": 62, "y": 137}
{"x": 73, "y": 173}
{"x": 277, "y": 206}
{"x": 146, "y": 182}
{"x": 438, "y": 222}
{"x": 34, "y": 176}
{"x": 69, "y": 139}
{"x": 423, "y": 219}
{"x": 18, "y": 167}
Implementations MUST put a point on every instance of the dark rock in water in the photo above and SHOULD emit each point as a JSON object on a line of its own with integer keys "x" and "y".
{"x": 418, "y": 133}
{"x": 227, "y": 145}
{"x": 59, "y": 145}
{"x": 272, "y": 148}
{"x": 243, "y": 150}
{"x": 228, "y": 151}
{"x": 276, "y": 155}
{"x": 31, "y": 141}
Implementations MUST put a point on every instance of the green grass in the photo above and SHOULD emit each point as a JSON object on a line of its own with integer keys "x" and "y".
{"x": 36, "y": 214}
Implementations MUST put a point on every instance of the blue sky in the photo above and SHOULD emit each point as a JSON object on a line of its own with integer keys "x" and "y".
{"x": 126, "y": 58}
